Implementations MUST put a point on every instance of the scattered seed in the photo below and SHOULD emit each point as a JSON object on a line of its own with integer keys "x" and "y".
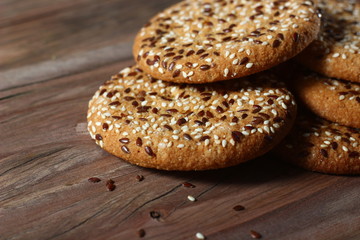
{"x": 191, "y": 198}
{"x": 188, "y": 185}
{"x": 94, "y": 179}
{"x": 155, "y": 214}
{"x": 139, "y": 178}
{"x": 239, "y": 208}
{"x": 141, "y": 233}
{"x": 200, "y": 236}
{"x": 111, "y": 187}
{"x": 255, "y": 234}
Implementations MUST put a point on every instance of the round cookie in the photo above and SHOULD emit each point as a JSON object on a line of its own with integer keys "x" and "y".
{"x": 164, "y": 125}
{"x": 336, "y": 51}
{"x": 322, "y": 146}
{"x": 335, "y": 100}
{"x": 206, "y": 41}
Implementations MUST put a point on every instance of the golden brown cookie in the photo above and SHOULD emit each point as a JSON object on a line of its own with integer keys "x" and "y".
{"x": 164, "y": 125}
{"x": 322, "y": 146}
{"x": 335, "y": 100}
{"x": 206, "y": 41}
{"x": 336, "y": 51}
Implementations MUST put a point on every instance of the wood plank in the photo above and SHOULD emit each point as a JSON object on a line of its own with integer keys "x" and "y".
{"x": 53, "y": 58}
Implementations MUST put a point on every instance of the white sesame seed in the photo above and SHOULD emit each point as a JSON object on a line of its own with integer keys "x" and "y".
{"x": 207, "y": 141}
{"x": 341, "y": 97}
{"x": 200, "y": 236}
{"x": 335, "y": 55}
{"x": 232, "y": 56}
{"x": 191, "y": 198}
{"x": 235, "y": 61}
{"x": 227, "y": 53}
{"x": 180, "y": 146}
{"x": 224, "y": 143}
{"x": 226, "y": 72}
{"x": 345, "y": 148}
{"x": 267, "y": 129}
{"x": 249, "y": 65}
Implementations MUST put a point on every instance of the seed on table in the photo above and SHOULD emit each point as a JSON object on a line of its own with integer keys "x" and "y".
{"x": 255, "y": 234}
{"x": 238, "y": 208}
{"x": 141, "y": 233}
{"x": 188, "y": 185}
{"x": 94, "y": 179}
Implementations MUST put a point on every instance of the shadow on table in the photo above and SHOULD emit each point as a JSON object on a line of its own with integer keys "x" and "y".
{"x": 260, "y": 170}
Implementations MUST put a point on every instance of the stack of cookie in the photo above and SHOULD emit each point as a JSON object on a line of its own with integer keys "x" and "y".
{"x": 200, "y": 95}
{"x": 332, "y": 92}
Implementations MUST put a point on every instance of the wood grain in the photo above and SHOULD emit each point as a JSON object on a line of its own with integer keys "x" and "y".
{"x": 53, "y": 57}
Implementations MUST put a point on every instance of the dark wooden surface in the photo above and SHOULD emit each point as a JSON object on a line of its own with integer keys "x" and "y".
{"x": 53, "y": 56}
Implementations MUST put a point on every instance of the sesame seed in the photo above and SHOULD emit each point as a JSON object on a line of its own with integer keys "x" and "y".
{"x": 200, "y": 236}
{"x": 249, "y": 65}
{"x": 191, "y": 198}
{"x": 180, "y": 146}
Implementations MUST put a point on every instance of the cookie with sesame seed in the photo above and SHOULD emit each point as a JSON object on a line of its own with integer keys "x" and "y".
{"x": 207, "y": 41}
{"x": 332, "y": 99}
{"x": 322, "y": 146}
{"x": 336, "y": 51}
{"x": 171, "y": 126}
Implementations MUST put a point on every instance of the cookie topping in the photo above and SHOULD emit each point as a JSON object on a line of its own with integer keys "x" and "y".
{"x": 338, "y": 146}
{"x": 345, "y": 90}
{"x": 180, "y": 116}
{"x": 202, "y": 41}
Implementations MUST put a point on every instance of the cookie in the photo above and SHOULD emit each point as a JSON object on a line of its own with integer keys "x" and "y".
{"x": 206, "y": 41}
{"x": 158, "y": 124}
{"x": 336, "y": 51}
{"x": 322, "y": 146}
{"x": 334, "y": 100}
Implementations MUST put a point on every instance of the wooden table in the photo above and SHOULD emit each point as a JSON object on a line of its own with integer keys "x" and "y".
{"x": 53, "y": 56}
